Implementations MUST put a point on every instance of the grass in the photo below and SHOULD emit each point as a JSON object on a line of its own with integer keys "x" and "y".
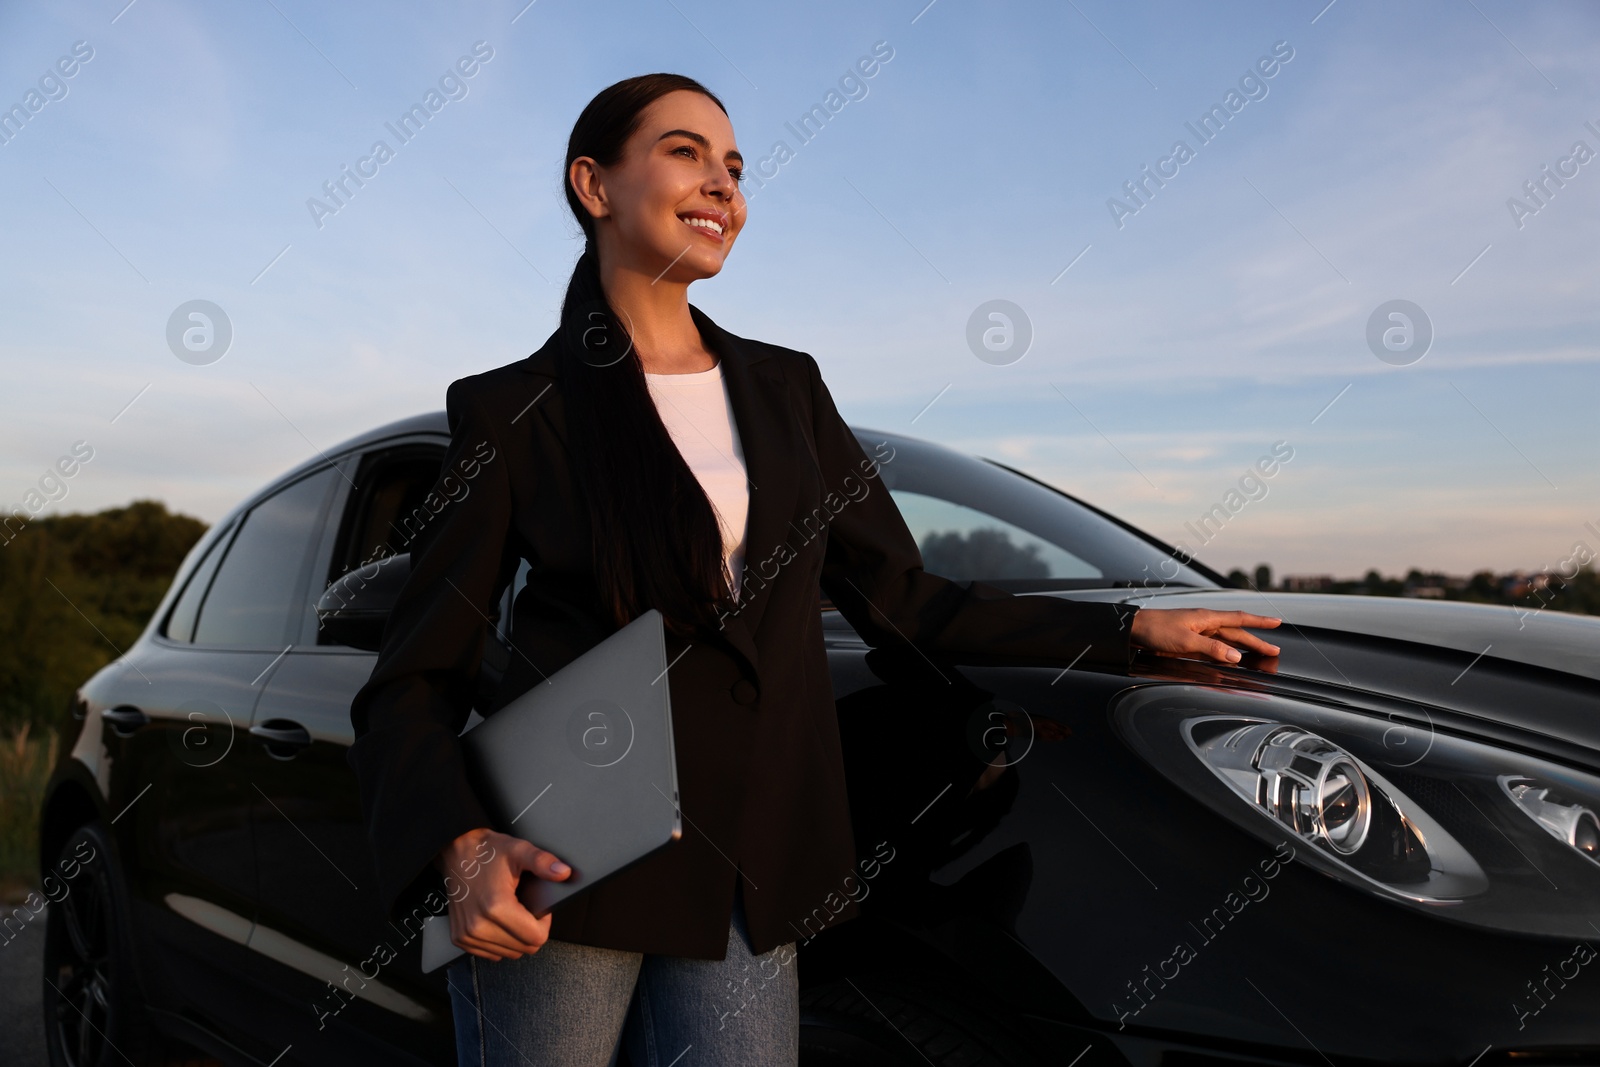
{"x": 25, "y": 765}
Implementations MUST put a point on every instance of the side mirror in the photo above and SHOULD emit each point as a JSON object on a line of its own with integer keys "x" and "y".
{"x": 353, "y": 610}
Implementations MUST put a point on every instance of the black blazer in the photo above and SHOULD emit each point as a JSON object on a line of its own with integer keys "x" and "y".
{"x": 761, "y": 777}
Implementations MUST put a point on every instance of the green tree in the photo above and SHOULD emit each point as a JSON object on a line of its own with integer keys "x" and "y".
{"x": 74, "y": 591}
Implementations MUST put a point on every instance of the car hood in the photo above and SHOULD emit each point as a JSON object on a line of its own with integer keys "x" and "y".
{"x": 1554, "y": 640}
{"x": 1496, "y": 667}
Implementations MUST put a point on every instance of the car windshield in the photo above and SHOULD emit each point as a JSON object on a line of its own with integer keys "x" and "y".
{"x": 977, "y": 520}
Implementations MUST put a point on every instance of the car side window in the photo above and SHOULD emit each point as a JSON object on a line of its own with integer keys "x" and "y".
{"x": 964, "y": 543}
{"x": 386, "y": 511}
{"x": 180, "y": 621}
{"x": 257, "y": 596}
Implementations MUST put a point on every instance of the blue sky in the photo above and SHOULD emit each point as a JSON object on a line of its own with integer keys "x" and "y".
{"x": 1224, "y": 316}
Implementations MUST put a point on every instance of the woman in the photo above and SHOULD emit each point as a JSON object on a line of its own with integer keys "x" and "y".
{"x": 644, "y": 457}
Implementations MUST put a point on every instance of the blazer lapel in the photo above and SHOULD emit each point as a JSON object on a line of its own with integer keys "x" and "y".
{"x": 762, "y": 413}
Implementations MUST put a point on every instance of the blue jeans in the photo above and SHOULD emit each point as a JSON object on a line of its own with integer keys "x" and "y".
{"x": 571, "y": 1005}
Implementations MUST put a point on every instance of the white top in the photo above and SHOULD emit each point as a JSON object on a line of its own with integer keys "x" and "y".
{"x": 698, "y": 414}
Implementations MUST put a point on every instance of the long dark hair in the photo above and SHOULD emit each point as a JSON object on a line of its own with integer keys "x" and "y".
{"x": 656, "y": 542}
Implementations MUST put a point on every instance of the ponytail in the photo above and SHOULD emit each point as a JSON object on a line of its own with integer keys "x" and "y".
{"x": 655, "y": 538}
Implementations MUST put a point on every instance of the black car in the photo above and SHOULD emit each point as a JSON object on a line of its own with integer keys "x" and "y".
{"x": 1378, "y": 847}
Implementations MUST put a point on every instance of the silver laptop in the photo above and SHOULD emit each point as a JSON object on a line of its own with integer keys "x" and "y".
{"x": 581, "y": 765}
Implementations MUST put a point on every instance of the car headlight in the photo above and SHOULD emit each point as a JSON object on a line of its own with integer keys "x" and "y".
{"x": 1303, "y": 781}
{"x": 1573, "y": 824}
{"x": 1337, "y": 802}
{"x": 1468, "y": 830}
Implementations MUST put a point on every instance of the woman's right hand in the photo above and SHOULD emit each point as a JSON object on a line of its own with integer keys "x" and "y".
{"x": 489, "y": 921}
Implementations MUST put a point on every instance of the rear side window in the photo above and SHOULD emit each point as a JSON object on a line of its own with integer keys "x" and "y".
{"x": 258, "y": 596}
{"x": 180, "y": 623}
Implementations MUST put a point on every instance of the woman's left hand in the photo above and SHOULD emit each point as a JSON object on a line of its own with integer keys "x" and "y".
{"x": 1190, "y": 632}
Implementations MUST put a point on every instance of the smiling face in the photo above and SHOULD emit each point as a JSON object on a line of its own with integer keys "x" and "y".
{"x": 671, "y": 207}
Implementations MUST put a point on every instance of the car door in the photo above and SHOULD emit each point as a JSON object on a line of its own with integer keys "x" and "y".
{"x": 174, "y": 740}
{"x": 351, "y": 981}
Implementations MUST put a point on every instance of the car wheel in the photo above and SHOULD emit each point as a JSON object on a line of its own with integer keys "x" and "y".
{"x": 888, "y": 1021}
{"x": 93, "y": 1013}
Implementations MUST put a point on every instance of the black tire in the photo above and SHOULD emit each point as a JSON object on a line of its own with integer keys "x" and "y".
{"x": 94, "y": 1015}
{"x": 890, "y": 1021}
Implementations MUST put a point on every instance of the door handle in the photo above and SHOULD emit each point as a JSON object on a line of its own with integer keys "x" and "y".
{"x": 124, "y": 719}
{"x": 283, "y": 738}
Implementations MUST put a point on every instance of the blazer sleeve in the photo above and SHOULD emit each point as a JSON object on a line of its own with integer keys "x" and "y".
{"x": 415, "y": 794}
{"x": 872, "y": 571}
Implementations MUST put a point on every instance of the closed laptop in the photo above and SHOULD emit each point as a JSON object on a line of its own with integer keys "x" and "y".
{"x": 581, "y": 765}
